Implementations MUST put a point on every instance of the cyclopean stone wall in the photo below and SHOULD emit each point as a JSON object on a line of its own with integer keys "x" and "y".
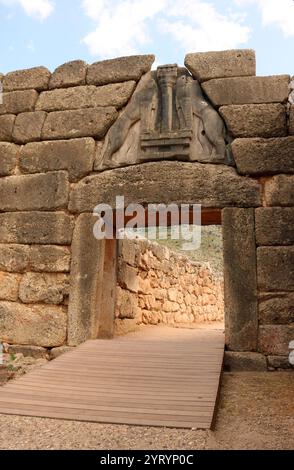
{"x": 157, "y": 285}
{"x": 52, "y": 128}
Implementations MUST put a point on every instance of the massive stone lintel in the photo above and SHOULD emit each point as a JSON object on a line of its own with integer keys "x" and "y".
{"x": 168, "y": 118}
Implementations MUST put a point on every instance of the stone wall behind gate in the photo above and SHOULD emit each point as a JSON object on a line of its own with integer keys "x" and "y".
{"x": 52, "y": 127}
{"x": 158, "y": 285}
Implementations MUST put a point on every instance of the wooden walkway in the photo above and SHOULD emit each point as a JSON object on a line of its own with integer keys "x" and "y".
{"x": 159, "y": 376}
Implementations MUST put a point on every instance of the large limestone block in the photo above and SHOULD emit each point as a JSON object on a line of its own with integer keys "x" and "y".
{"x": 255, "y": 120}
{"x": 264, "y": 156}
{"x": 70, "y": 74}
{"x": 240, "y": 287}
{"x": 167, "y": 182}
{"x": 276, "y": 308}
{"x": 44, "y": 258}
{"x": 248, "y": 90}
{"x": 6, "y": 127}
{"x": 245, "y": 361}
{"x": 41, "y": 228}
{"x": 275, "y": 268}
{"x": 279, "y": 191}
{"x": 274, "y": 226}
{"x": 89, "y": 122}
{"x": 16, "y": 102}
{"x": 36, "y": 77}
{"x": 43, "y": 191}
{"x": 8, "y": 158}
{"x": 36, "y": 325}
{"x": 119, "y": 70}
{"x": 221, "y": 64}
{"x": 9, "y": 284}
{"x": 43, "y": 288}
{"x": 275, "y": 339}
{"x": 28, "y": 127}
{"x": 76, "y": 156}
{"x": 115, "y": 94}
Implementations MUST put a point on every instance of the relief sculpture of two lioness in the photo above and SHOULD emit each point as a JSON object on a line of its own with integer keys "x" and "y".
{"x": 167, "y": 118}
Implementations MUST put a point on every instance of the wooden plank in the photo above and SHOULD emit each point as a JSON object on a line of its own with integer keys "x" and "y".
{"x": 158, "y": 376}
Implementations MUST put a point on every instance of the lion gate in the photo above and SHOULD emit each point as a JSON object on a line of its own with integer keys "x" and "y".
{"x": 211, "y": 133}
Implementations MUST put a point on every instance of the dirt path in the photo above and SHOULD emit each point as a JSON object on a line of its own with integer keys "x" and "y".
{"x": 256, "y": 412}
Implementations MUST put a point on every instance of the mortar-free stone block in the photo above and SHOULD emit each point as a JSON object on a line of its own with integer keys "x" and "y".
{"x": 291, "y": 120}
{"x": 221, "y": 64}
{"x": 255, "y": 120}
{"x": 36, "y": 352}
{"x": 28, "y": 127}
{"x": 76, "y": 156}
{"x": 16, "y": 102}
{"x": 240, "y": 286}
{"x": 43, "y": 288}
{"x": 209, "y": 185}
{"x": 275, "y": 339}
{"x": 8, "y": 158}
{"x": 14, "y": 258}
{"x": 128, "y": 278}
{"x": 259, "y": 157}
{"x": 274, "y": 226}
{"x": 36, "y": 77}
{"x": 90, "y": 122}
{"x": 279, "y": 191}
{"x": 275, "y": 268}
{"x": 279, "y": 362}
{"x": 6, "y": 127}
{"x": 245, "y": 361}
{"x": 70, "y": 74}
{"x": 9, "y": 284}
{"x": 40, "y": 228}
{"x": 56, "y": 352}
{"x": 248, "y": 90}
{"x": 36, "y": 325}
{"x": 119, "y": 70}
{"x": 43, "y": 191}
{"x": 276, "y": 308}
{"x": 115, "y": 94}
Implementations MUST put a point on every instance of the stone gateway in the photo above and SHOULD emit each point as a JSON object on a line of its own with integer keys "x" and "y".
{"x": 211, "y": 133}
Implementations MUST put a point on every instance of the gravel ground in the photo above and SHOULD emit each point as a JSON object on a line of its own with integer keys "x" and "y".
{"x": 256, "y": 411}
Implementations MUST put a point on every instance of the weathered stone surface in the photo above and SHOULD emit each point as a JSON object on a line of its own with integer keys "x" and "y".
{"x": 44, "y": 288}
{"x": 291, "y": 121}
{"x": 86, "y": 282}
{"x": 279, "y": 362}
{"x": 276, "y": 308}
{"x": 56, "y": 352}
{"x": 127, "y": 278}
{"x": 21, "y": 258}
{"x": 240, "y": 279}
{"x": 90, "y": 122}
{"x": 115, "y": 94}
{"x": 279, "y": 191}
{"x": 43, "y": 191}
{"x": 37, "y": 352}
{"x": 76, "y": 156}
{"x": 8, "y": 158}
{"x": 264, "y": 156}
{"x": 36, "y": 325}
{"x": 168, "y": 182}
{"x": 16, "y": 102}
{"x": 70, "y": 74}
{"x": 274, "y": 226}
{"x": 42, "y": 228}
{"x": 248, "y": 90}
{"x": 36, "y": 77}
{"x": 126, "y": 303}
{"x": 28, "y": 127}
{"x": 244, "y": 361}
{"x": 232, "y": 63}
{"x": 6, "y": 127}
{"x": 119, "y": 70}
{"x": 125, "y": 326}
{"x": 9, "y": 286}
{"x": 275, "y": 339}
{"x": 255, "y": 120}
{"x": 127, "y": 250}
{"x": 275, "y": 268}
